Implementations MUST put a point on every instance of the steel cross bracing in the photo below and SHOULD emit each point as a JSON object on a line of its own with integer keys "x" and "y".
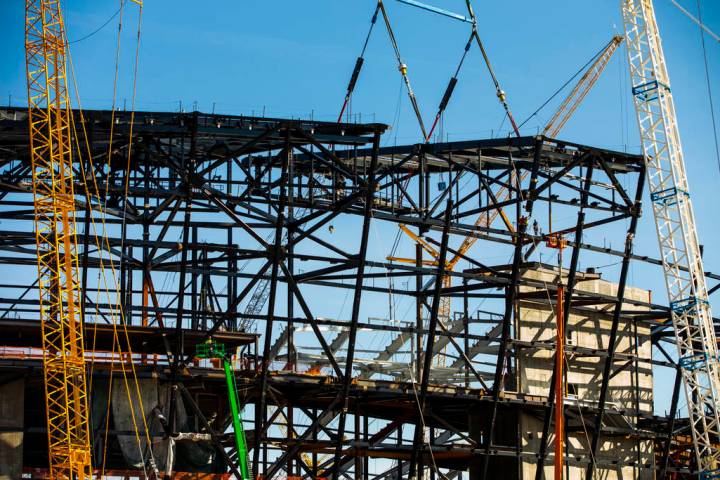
{"x": 679, "y": 246}
{"x": 235, "y": 183}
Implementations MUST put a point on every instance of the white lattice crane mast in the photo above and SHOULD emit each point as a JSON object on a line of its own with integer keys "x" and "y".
{"x": 675, "y": 222}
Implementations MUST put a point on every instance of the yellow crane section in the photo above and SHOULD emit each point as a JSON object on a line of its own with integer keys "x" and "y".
{"x": 556, "y": 123}
{"x": 582, "y": 88}
{"x": 54, "y": 199}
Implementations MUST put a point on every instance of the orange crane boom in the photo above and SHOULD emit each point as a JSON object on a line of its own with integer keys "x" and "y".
{"x": 54, "y": 199}
{"x": 556, "y": 123}
{"x": 581, "y": 89}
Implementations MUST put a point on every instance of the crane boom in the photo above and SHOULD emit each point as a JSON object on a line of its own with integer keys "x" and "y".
{"x": 54, "y": 199}
{"x": 581, "y": 89}
{"x": 553, "y": 127}
{"x": 675, "y": 223}
{"x": 557, "y": 122}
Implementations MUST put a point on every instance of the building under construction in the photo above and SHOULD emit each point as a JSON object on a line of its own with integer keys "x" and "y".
{"x": 414, "y": 311}
{"x": 226, "y": 232}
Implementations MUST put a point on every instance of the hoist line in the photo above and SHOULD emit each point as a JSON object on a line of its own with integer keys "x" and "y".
{"x": 449, "y": 89}
{"x": 498, "y": 91}
{"x": 708, "y": 84}
{"x": 564, "y": 85}
{"x": 358, "y": 65}
{"x": 698, "y": 20}
{"x": 403, "y": 68}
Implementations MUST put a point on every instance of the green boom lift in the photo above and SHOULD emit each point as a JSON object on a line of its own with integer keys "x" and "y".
{"x": 212, "y": 349}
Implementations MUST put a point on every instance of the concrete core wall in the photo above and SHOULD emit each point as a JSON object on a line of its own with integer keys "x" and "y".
{"x": 12, "y": 408}
{"x": 630, "y": 389}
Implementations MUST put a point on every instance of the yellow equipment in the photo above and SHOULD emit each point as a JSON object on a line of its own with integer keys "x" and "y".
{"x": 556, "y": 123}
{"x": 60, "y": 296}
{"x": 584, "y": 85}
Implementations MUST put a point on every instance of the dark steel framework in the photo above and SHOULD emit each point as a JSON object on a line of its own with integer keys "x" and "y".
{"x": 219, "y": 212}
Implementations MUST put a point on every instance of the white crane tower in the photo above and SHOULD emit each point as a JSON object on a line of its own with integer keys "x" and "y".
{"x": 675, "y": 222}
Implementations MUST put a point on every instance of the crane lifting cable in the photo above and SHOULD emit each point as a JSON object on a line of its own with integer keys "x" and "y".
{"x": 403, "y": 69}
{"x": 499, "y": 92}
{"x": 697, "y": 21}
{"x": 358, "y": 65}
{"x": 449, "y": 90}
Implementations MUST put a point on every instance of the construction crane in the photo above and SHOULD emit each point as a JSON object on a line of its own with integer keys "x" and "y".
{"x": 54, "y": 199}
{"x": 679, "y": 247}
{"x": 561, "y": 116}
{"x": 581, "y": 89}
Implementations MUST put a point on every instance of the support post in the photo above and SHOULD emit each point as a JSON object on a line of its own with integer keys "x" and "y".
{"x": 622, "y": 282}
{"x": 361, "y": 257}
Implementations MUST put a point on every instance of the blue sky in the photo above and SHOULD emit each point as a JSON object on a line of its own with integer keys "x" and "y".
{"x": 292, "y": 58}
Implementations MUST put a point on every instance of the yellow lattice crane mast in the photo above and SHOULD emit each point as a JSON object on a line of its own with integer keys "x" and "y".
{"x": 51, "y": 156}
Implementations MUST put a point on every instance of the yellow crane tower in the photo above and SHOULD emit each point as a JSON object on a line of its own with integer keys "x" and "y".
{"x": 54, "y": 199}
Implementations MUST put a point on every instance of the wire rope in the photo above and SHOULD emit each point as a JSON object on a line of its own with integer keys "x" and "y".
{"x": 97, "y": 29}
{"x": 106, "y": 241}
{"x": 711, "y": 104}
{"x": 563, "y": 86}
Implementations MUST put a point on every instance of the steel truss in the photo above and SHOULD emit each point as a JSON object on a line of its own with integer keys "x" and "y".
{"x": 219, "y": 206}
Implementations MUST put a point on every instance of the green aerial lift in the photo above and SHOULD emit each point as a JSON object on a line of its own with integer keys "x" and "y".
{"x": 212, "y": 349}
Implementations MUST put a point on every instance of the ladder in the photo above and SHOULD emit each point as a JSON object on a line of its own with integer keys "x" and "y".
{"x": 675, "y": 223}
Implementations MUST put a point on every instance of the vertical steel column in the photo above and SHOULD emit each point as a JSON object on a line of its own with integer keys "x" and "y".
{"x": 511, "y": 295}
{"x": 194, "y": 279}
{"x": 277, "y": 257}
{"x": 232, "y": 282}
{"x": 562, "y": 322}
{"x": 607, "y": 369}
{"x": 122, "y": 301}
{"x": 86, "y": 253}
{"x": 559, "y": 393}
{"x": 86, "y": 225}
{"x": 671, "y": 424}
{"x": 415, "y": 465}
{"x": 187, "y": 170}
{"x": 418, "y": 308}
{"x": 466, "y": 328}
{"x": 361, "y": 257}
{"x": 291, "y": 268}
{"x": 146, "y": 244}
{"x": 358, "y": 461}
